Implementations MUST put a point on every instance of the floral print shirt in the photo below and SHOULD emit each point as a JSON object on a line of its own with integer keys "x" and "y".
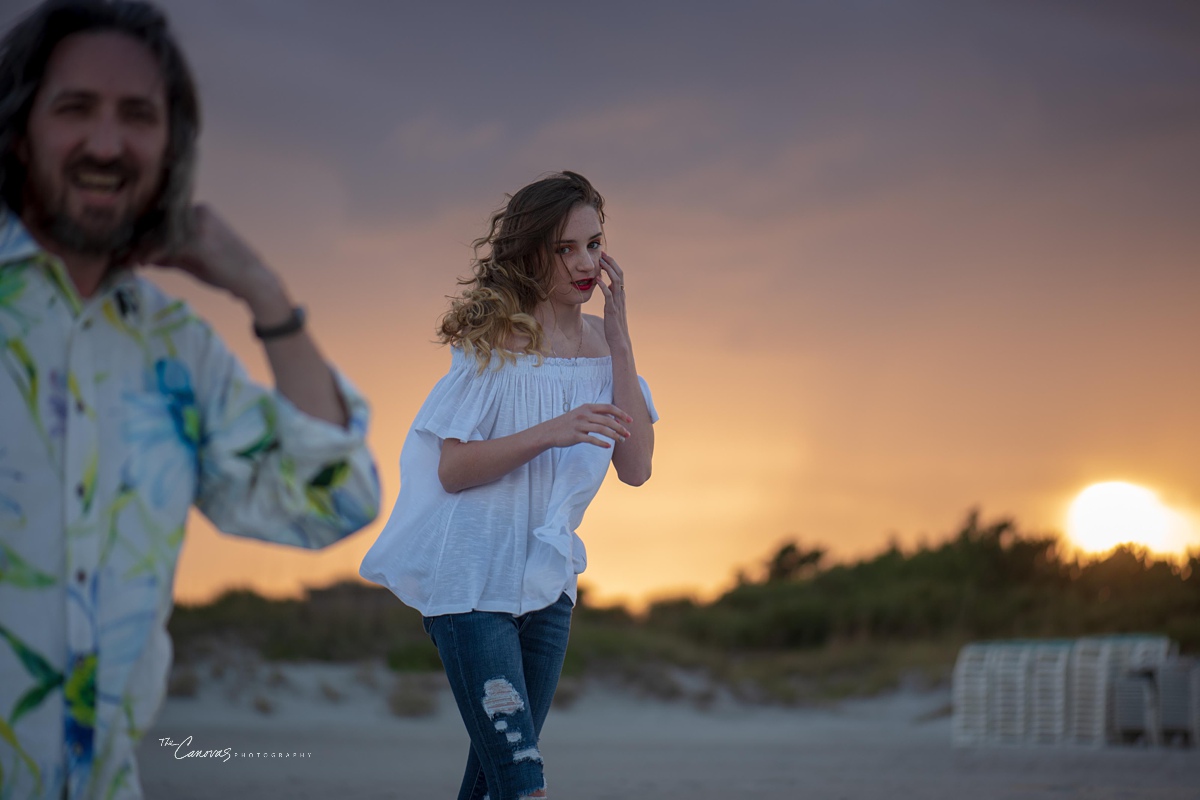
{"x": 117, "y": 413}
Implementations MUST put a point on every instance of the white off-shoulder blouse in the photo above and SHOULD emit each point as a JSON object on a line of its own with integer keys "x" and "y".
{"x": 509, "y": 545}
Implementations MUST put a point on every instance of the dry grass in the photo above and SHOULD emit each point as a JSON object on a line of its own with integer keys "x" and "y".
{"x": 330, "y": 693}
{"x": 367, "y": 674}
{"x": 677, "y": 671}
{"x": 569, "y": 690}
{"x": 412, "y": 696}
{"x": 184, "y": 682}
{"x": 651, "y": 664}
{"x": 277, "y": 680}
{"x": 839, "y": 670}
{"x": 237, "y": 668}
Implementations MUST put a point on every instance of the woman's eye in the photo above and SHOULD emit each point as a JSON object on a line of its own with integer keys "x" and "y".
{"x": 562, "y": 251}
{"x": 593, "y": 245}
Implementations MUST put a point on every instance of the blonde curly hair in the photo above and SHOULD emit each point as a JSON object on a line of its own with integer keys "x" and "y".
{"x": 514, "y": 275}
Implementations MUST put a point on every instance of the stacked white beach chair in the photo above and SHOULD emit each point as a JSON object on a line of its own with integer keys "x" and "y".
{"x": 1089, "y": 691}
{"x": 1100, "y": 673}
{"x": 1049, "y": 662}
{"x": 1194, "y": 689}
{"x": 969, "y": 695}
{"x": 1091, "y": 673}
{"x": 1008, "y": 690}
{"x": 1135, "y": 708}
{"x": 1178, "y": 702}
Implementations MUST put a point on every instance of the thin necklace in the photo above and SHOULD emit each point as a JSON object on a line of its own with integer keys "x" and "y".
{"x": 578, "y": 349}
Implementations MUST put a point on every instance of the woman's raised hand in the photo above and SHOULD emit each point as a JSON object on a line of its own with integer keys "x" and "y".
{"x": 616, "y": 326}
{"x": 577, "y": 425}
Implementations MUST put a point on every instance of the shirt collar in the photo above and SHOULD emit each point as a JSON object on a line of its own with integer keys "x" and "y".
{"x": 15, "y": 242}
{"x": 17, "y": 245}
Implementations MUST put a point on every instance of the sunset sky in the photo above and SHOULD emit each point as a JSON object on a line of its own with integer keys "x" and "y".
{"x": 885, "y": 261}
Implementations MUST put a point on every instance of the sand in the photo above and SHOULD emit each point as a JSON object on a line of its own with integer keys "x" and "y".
{"x": 326, "y": 731}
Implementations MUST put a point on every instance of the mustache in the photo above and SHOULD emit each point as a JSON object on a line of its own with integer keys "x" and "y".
{"x": 117, "y": 167}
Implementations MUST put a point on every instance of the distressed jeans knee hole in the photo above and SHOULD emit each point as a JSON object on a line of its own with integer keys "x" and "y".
{"x": 501, "y": 697}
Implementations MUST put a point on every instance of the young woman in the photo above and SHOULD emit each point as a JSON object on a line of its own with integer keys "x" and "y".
{"x": 502, "y": 461}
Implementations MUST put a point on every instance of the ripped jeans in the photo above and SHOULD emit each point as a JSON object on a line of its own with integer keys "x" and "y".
{"x": 503, "y": 671}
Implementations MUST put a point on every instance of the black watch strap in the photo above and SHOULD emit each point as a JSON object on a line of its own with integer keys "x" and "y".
{"x": 292, "y": 324}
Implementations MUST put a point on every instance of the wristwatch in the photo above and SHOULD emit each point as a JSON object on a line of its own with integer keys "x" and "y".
{"x": 289, "y": 326}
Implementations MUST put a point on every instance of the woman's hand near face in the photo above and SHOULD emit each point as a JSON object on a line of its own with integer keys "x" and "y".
{"x": 616, "y": 324}
{"x": 632, "y": 457}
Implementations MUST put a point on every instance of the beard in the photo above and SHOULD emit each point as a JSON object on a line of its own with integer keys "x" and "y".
{"x": 97, "y": 237}
{"x": 88, "y": 231}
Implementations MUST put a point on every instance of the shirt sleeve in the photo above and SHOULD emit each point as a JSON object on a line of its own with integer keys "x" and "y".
{"x": 645, "y": 387}
{"x": 270, "y": 471}
{"x": 464, "y": 404}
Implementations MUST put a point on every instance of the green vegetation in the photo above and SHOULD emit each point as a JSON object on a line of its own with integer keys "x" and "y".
{"x": 987, "y": 581}
{"x": 802, "y": 632}
{"x": 345, "y": 622}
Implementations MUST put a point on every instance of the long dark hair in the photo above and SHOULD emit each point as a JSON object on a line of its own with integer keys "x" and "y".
{"x": 514, "y": 275}
{"x": 24, "y": 54}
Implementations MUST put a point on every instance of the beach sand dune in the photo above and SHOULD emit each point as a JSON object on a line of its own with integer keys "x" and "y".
{"x": 323, "y": 731}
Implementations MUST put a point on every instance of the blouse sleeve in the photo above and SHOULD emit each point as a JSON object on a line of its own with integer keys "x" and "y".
{"x": 464, "y": 404}
{"x": 649, "y": 400}
{"x": 272, "y": 472}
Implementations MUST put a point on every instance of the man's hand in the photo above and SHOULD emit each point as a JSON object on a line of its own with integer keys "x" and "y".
{"x": 214, "y": 254}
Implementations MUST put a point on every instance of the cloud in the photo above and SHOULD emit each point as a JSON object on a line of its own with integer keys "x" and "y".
{"x": 420, "y": 110}
{"x": 431, "y": 138}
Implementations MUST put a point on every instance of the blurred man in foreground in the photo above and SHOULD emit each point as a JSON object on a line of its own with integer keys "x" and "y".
{"x": 119, "y": 408}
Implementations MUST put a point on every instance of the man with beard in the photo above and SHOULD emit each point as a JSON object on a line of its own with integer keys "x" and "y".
{"x": 119, "y": 409}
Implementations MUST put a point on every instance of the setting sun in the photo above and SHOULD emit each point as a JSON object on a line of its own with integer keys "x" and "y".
{"x": 1105, "y": 515}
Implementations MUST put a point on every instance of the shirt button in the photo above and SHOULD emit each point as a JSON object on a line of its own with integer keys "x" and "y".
{"x": 81, "y": 576}
{"x": 79, "y": 490}
{"x": 87, "y": 323}
{"x": 79, "y": 406}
